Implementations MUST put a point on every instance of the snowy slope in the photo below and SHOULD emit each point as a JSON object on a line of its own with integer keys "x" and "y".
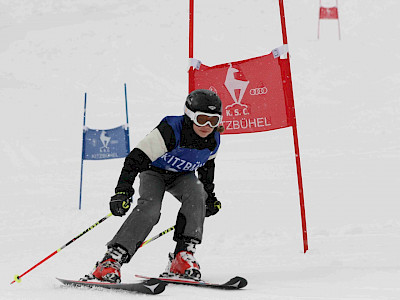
{"x": 347, "y": 105}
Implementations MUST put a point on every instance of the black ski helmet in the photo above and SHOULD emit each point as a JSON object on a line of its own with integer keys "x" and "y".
{"x": 205, "y": 101}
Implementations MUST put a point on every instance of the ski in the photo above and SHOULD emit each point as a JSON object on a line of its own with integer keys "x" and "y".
{"x": 151, "y": 286}
{"x": 232, "y": 284}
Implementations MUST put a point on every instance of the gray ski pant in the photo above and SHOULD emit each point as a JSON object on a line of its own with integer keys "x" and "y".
{"x": 187, "y": 188}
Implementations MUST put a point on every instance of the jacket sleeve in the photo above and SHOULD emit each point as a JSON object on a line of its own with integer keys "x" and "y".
{"x": 159, "y": 141}
{"x": 206, "y": 176}
{"x": 136, "y": 161}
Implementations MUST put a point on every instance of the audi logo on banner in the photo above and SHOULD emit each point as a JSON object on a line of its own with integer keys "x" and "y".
{"x": 258, "y": 91}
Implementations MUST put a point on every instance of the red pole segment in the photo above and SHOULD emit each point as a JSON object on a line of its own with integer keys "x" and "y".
{"x": 289, "y": 93}
{"x": 283, "y": 22}
{"x": 191, "y": 30}
{"x": 17, "y": 278}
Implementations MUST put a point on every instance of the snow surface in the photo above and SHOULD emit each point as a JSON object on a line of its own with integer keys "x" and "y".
{"x": 347, "y": 105}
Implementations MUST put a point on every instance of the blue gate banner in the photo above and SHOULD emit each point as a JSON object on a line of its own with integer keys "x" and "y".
{"x": 105, "y": 144}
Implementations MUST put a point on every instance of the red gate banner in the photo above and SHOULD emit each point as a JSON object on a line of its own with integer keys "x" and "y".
{"x": 328, "y": 13}
{"x": 251, "y": 91}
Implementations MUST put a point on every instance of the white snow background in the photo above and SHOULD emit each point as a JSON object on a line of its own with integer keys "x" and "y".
{"x": 347, "y": 105}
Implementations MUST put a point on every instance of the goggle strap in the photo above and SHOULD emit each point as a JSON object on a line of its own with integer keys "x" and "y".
{"x": 189, "y": 113}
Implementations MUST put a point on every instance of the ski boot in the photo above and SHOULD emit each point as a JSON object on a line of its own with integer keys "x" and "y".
{"x": 182, "y": 261}
{"x": 167, "y": 272}
{"x": 109, "y": 268}
{"x": 184, "y": 264}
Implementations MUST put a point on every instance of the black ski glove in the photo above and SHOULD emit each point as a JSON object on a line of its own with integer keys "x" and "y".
{"x": 120, "y": 203}
{"x": 212, "y": 205}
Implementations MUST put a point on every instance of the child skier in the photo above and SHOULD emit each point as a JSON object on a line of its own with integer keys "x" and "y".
{"x": 167, "y": 159}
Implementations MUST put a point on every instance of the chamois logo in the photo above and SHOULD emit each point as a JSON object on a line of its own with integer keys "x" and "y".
{"x": 232, "y": 84}
{"x": 105, "y": 140}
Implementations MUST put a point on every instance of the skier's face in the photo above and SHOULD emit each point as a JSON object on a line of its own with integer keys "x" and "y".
{"x": 202, "y": 131}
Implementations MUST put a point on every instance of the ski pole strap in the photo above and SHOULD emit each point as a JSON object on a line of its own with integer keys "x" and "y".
{"x": 157, "y": 236}
{"x": 17, "y": 278}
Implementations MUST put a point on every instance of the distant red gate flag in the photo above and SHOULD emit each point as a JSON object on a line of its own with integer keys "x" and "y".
{"x": 251, "y": 91}
{"x": 328, "y": 13}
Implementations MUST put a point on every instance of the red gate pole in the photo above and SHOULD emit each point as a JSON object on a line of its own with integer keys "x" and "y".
{"x": 295, "y": 138}
{"x": 191, "y": 26}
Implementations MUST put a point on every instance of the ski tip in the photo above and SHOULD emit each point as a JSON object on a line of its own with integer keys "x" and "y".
{"x": 151, "y": 286}
{"x": 237, "y": 282}
{"x": 155, "y": 285}
{"x": 67, "y": 281}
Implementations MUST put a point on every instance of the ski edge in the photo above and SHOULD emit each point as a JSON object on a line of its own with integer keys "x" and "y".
{"x": 234, "y": 283}
{"x": 152, "y": 286}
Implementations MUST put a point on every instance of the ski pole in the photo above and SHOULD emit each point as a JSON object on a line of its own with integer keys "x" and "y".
{"x": 17, "y": 278}
{"x": 157, "y": 236}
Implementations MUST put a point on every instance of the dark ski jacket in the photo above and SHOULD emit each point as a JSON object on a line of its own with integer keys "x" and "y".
{"x": 172, "y": 148}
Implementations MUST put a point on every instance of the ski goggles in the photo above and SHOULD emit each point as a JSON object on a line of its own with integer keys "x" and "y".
{"x": 202, "y": 119}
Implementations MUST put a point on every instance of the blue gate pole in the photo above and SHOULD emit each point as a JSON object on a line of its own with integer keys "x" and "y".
{"x": 127, "y": 121}
{"x": 83, "y": 152}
